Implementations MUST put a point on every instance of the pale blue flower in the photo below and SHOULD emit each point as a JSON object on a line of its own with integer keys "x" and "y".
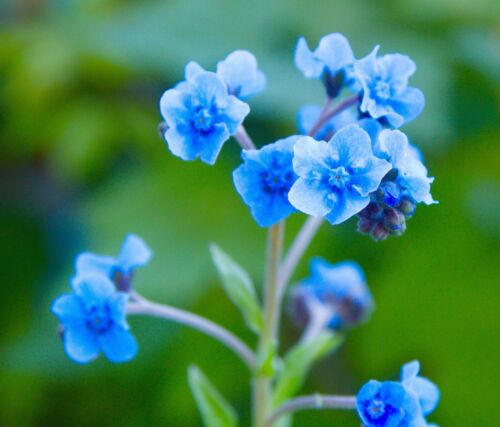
{"x": 336, "y": 177}
{"x": 241, "y": 74}
{"x": 385, "y": 91}
{"x": 412, "y": 179}
{"x": 200, "y": 115}
{"x": 426, "y": 391}
{"x": 93, "y": 321}
{"x": 133, "y": 253}
{"x": 333, "y": 54}
{"x": 264, "y": 180}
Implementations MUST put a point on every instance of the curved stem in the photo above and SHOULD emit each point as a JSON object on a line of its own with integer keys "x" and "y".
{"x": 315, "y": 401}
{"x": 231, "y": 341}
{"x": 244, "y": 139}
{"x": 299, "y": 246}
{"x": 324, "y": 117}
{"x": 269, "y": 335}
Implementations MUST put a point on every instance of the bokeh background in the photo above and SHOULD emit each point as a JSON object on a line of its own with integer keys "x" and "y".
{"x": 81, "y": 164}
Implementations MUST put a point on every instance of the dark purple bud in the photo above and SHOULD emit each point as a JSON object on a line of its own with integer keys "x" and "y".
{"x": 407, "y": 207}
{"x": 394, "y": 222}
{"x": 122, "y": 281}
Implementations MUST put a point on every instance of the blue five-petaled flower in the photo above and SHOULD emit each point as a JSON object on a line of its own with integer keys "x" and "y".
{"x": 398, "y": 404}
{"x": 200, "y": 115}
{"x": 336, "y": 177}
{"x": 264, "y": 180}
{"x": 133, "y": 253}
{"x": 93, "y": 320}
{"x": 385, "y": 91}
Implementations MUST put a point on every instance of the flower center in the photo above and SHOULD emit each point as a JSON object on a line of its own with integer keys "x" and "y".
{"x": 383, "y": 89}
{"x": 276, "y": 181}
{"x": 203, "y": 119}
{"x": 338, "y": 177}
{"x": 376, "y": 409}
{"x": 99, "y": 319}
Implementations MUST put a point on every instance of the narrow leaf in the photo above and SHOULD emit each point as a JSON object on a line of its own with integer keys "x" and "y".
{"x": 298, "y": 361}
{"x": 214, "y": 409}
{"x": 239, "y": 287}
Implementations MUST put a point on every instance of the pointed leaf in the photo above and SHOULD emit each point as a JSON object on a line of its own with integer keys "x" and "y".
{"x": 214, "y": 409}
{"x": 298, "y": 361}
{"x": 239, "y": 287}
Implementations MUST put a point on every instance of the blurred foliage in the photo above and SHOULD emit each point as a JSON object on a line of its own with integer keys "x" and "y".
{"x": 82, "y": 164}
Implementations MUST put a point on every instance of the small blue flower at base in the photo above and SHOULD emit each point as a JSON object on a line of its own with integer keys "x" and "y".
{"x": 241, "y": 74}
{"x": 333, "y": 54}
{"x": 93, "y": 321}
{"x": 412, "y": 179}
{"x": 386, "y": 404}
{"x": 385, "y": 91}
{"x": 133, "y": 253}
{"x": 341, "y": 291}
{"x": 264, "y": 180}
{"x": 398, "y": 404}
{"x": 336, "y": 177}
{"x": 200, "y": 115}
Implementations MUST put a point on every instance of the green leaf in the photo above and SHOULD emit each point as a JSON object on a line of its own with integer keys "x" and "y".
{"x": 239, "y": 287}
{"x": 299, "y": 360}
{"x": 214, "y": 409}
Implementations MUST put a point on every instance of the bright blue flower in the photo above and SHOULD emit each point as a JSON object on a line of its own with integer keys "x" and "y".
{"x": 386, "y": 404}
{"x": 385, "y": 91}
{"x": 239, "y": 71}
{"x": 426, "y": 391}
{"x": 336, "y": 178}
{"x": 412, "y": 179}
{"x": 93, "y": 321}
{"x": 336, "y": 292}
{"x": 264, "y": 180}
{"x": 200, "y": 115}
{"x": 133, "y": 253}
{"x": 333, "y": 54}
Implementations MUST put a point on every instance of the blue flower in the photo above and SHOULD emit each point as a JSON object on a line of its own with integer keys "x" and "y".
{"x": 385, "y": 91}
{"x": 333, "y": 54}
{"x": 133, "y": 253}
{"x": 239, "y": 71}
{"x": 264, "y": 180}
{"x": 336, "y": 178}
{"x": 200, "y": 115}
{"x": 336, "y": 292}
{"x": 386, "y": 404}
{"x": 426, "y": 391}
{"x": 93, "y": 321}
{"x": 398, "y": 404}
{"x": 412, "y": 179}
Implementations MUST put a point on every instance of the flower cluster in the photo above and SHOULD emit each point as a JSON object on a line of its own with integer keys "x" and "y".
{"x": 92, "y": 317}
{"x": 347, "y": 160}
{"x": 398, "y": 404}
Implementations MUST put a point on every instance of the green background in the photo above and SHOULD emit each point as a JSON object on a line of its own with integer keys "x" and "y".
{"x": 81, "y": 164}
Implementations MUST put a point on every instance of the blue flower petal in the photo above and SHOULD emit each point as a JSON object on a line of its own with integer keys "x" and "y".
{"x": 335, "y": 51}
{"x": 353, "y": 145}
{"x": 409, "y": 104}
{"x": 239, "y": 70}
{"x": 398, "y": 69}
{"x": 306, "y": 62}
{"x": 307, "y": 117}
{"x": 87, "y": 263}
{"x": 191, "y": 69}
{"x": 133, "y": 253}
{"x": 93, "y": 289}
{"x": 118, "y": 344}
{"x": 310, "y": 197}
{"x": 183, "y": 143}
{"x": 80, "y": 343}
{"x": 174, "y": 107}
{"x": 235, "y": 113}
{"x": 212, "y": 143}
{"x": 346, "y": 207}
{"x": 68, "y": 308}
{"x": 311, "y": 157}
{"x": 118, "y": 304}
{"x": 209, "y": 89}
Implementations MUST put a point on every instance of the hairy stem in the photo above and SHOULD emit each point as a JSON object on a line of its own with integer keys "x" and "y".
{"x": 296, "y": 251}
{"x": 269, "y": 335}
{"x": 244, "y": 139}
{"x": 327, "y": 115}
{"x": 315, "y": 401}
{"x": 231, "y": 341}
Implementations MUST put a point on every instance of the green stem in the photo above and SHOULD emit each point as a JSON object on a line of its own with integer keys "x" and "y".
{"x": 262, "y": 387}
